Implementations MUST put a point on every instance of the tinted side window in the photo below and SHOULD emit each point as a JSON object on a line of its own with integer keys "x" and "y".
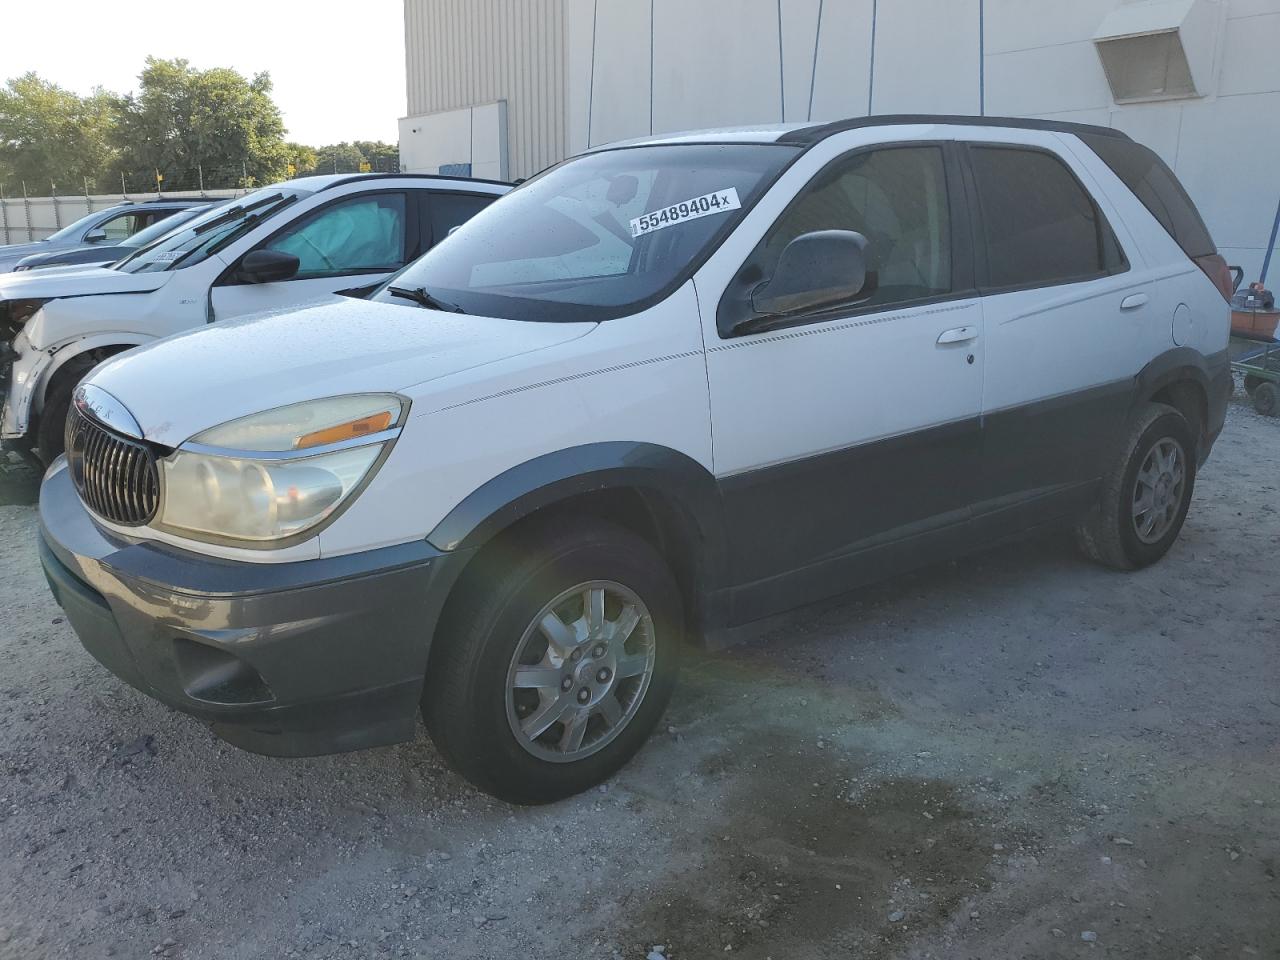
{"x": 363, "y": 234}
{"x": 1152, "y": 182}
{"x": 1039, "y": 223}
{"x": 449, "y": 210}
{"x": 897, "y": 199}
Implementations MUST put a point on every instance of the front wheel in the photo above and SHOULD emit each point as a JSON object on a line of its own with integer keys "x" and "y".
{"x": 51, "y": 429}
{"x": 1145, "y": 494}
{"x": 556, "y": 663}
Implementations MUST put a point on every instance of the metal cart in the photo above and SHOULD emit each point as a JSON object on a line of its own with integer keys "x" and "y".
{"x": 1260, "y": 365}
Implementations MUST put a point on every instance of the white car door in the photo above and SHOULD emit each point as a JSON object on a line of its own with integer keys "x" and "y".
{"x": 1066, "y": 304}
{"x": 850, "y": 429}
{"x": 350, "y": 241}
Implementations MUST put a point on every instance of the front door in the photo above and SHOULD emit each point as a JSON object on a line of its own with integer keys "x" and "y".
{"x": 352, "y": 242}
{"x": 846, "y": 441}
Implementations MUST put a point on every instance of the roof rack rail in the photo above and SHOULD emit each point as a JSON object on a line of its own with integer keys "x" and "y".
{"x": 353, "y": 177}
{"x": 806, "y": 136}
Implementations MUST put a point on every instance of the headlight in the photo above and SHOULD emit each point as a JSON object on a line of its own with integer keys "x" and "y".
{"x": 267, "y": 479}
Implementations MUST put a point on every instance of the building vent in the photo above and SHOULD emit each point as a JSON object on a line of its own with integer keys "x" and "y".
{"x": 1158, "y": 49}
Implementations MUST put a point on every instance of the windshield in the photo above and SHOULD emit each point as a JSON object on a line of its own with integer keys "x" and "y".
{"x": 208, "y": 233}
{"x": 160, "y": 228}
{"x": 596, "y": 237}
{"x": 73, "y": 230}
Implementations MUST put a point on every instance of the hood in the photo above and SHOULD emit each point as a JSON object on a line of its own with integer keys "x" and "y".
{"x": 13, "y": 252}
{"x": 80, "y": 282}
{"x": 185, "y": 384}
{"x": 79, "y": 253}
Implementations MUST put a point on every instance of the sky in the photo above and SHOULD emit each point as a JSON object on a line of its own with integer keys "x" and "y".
{"x": 338, "y": 68}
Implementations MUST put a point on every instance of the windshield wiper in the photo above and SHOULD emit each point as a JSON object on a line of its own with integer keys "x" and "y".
{"x": 232, "y": 213}
{"x": 420, "y": 296}
{"x": 245, "y": 225}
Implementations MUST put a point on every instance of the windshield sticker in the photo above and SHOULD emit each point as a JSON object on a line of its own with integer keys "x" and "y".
{"x": 703, "y": 206}
{"x": 161, "y": 255}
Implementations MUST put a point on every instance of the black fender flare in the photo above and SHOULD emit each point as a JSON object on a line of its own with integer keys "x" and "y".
{"x": 659, "y": 474}
{"x": 1180, "y": 363}
{"x": 1212, "y": 374}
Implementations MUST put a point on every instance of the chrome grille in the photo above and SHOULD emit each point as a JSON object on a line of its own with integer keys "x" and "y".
{"x": 115, "y": 476}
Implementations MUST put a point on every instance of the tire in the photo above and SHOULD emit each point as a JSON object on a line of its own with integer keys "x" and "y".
{"x": 1251, "y": 383}
{"x": 1266, "y": 399}
{"x": 1114, "y": 532}
{"x": 51, "y": 429}
{"x": 490, "y": 651}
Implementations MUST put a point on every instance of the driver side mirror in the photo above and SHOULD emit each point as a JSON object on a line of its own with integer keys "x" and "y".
{"x": 817, "y": 269}
{"x": 96, "y": 235}
{"x": 267, "y": 266}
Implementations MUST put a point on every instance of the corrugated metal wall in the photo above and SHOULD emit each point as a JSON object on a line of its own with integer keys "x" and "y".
{"x": 462, "y": 53}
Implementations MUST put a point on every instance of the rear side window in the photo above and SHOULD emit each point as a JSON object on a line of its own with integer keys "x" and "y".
{"x": 1152, "y": 182}
{"x": 450, "y": 210}
{"x": 1040, "y": 225}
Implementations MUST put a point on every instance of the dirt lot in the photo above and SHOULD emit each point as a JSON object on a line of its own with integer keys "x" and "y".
{"x": 1020, "y": 755}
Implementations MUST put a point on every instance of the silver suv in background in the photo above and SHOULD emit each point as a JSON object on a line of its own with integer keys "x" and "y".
{"x": 99, "y": 255}
{"x": 100, "y": 228}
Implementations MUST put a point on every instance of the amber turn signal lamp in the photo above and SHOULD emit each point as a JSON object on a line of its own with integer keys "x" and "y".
{"x": 363, "y": 427}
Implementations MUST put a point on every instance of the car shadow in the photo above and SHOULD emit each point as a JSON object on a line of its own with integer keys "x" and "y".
{"x": 19, "y": 480}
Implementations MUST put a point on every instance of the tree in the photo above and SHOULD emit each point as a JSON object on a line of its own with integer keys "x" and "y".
{"x": 382, "y": 157}
{"x": 302, "y": 159}
{"x": 351, "y": 157}
{"x": 51, "y": 135}
{"x": 339, "y": 158}
{"x": 182, "y": 120}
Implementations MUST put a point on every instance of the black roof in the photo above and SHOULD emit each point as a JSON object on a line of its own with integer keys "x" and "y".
{"x": 807, "y": 136}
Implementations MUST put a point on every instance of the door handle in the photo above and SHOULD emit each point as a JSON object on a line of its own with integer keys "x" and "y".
{"x": 1133, "y": 301}
{"x": 958, "y": 335}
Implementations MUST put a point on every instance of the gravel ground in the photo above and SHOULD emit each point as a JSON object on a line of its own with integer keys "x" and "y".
{"x": 1018, "y": 755}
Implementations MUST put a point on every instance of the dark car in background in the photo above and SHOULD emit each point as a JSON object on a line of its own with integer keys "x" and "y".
{"x": 99, "y": 228}
{"x": 99, "y": 255}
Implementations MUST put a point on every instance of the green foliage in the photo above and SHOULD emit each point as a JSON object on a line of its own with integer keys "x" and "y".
{"x": 347, "y": 157}
{"x": 217, "y": 119}
{"x": 49, "y": 135}
{"x": 180, "y": 122}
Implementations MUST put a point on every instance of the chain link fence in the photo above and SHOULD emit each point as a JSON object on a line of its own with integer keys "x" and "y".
{"x": 35, "y": 210}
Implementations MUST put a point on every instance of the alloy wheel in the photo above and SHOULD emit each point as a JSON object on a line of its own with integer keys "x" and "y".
{"x": 580, "y": 671}
{"x": 1158, "y": 489}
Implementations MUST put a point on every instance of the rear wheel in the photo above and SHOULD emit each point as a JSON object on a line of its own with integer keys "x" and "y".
{"x": 1266, "y": 399}
{"x": 1251, "y": 383}
{"x": 1145, "y": 494}
{"x": 555, "y": 665}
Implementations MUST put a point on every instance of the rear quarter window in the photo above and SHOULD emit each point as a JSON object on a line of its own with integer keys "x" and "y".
{"x": 1152, "y": 182}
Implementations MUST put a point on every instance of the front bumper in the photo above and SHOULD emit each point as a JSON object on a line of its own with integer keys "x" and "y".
{"x": 288, "y": 659}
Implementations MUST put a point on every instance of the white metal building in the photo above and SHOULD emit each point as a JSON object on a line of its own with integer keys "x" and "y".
{"x": 503, "y": 88}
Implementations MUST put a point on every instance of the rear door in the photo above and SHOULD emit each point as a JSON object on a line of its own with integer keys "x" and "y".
{"x": 1064, "y": 305}
{"x": 351, "y": 241}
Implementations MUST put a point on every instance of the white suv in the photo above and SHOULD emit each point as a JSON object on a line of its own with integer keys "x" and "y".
{"x": 664, "y": 388}
{"x": 278, "y": 247}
